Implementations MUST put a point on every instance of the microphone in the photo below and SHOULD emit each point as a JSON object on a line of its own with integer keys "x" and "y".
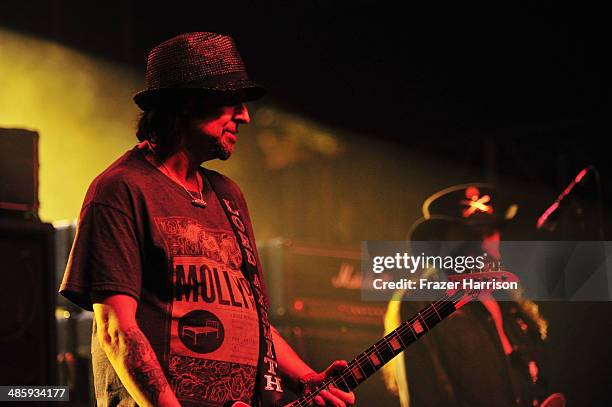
{"x": 581, "y": 178}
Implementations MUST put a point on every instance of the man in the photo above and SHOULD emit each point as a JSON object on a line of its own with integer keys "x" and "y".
{"x": 165, "y": 254}
{"x": 488, "y": 352}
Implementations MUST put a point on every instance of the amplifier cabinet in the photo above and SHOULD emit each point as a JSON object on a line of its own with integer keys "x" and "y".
{"x": 317, "y": 284}
{"x": 19, "y": 171}
{"x": 27, "y": 332}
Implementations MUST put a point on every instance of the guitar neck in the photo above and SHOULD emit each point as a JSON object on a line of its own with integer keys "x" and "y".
{"x": 377, "y": 355}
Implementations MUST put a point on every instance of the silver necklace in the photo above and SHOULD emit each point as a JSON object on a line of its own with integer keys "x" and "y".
{"x": 195, "y": 201}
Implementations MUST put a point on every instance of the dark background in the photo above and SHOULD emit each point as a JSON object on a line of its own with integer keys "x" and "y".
{"x": 517, "y": 90}
{"x": 521, "y": 88}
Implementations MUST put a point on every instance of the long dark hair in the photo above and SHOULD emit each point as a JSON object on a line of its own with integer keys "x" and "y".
{"x": 161, "y": 125}
{"x": 161, "y": 128}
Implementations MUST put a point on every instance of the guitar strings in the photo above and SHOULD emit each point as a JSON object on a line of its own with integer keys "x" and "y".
{"x": 400, "y": 330}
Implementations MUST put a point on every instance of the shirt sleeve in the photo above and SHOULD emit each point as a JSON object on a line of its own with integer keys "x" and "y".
{"x": 105, "y": 256}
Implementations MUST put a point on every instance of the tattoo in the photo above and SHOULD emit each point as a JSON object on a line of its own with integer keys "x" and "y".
{"x": 144, "y": 364}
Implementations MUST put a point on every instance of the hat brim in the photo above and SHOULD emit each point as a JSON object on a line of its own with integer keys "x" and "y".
{"x": 228, "y": 95}
{"x": 440, "y": 227}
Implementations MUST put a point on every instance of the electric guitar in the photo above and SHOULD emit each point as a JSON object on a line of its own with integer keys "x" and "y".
{"x": 377, "y": 355}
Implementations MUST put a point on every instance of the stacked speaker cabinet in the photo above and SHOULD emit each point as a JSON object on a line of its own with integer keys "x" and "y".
{"x": 27, "y": 304}
{"x": 19, "y": 172}
{"x": 315, "y": 302}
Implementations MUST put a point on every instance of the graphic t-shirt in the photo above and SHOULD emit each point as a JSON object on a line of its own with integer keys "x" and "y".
{"x": 140, "y": 235}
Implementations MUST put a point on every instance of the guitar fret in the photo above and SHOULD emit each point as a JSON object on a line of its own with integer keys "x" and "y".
{"x": 341, "y": 383}
{"x": 419, "y": 316}
{"x": 433, "y": 305}
{"x": 448, "y": 307}
{"x": 409, "y": 331}
{"x": 350, "y": 380}
{"x": 366, "y": 366}
{"x": 374, "y": 359}
{"x": 434, "y": 318}
{"x": 396, "y": 342}
{"x": 371, "y": 354}
{"x": 357, "y": 373}
{"x": 417, "y": 327}
{"x": 386, "y": 353}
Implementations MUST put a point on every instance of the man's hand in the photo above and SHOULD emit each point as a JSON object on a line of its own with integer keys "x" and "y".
{"x": 333, "y": 396}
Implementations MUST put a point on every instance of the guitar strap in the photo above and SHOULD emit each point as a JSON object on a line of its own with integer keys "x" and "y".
{"x": 268, "y": 383}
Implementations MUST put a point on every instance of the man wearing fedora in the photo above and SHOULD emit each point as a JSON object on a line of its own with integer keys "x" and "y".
{"x": 165, "y": 254}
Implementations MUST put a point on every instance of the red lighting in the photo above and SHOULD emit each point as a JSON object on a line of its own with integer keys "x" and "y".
{"x": 581, "y": 174}
{"x": 475, "y": 203}
{"x": 472, "y": 193}
{"x": 546, "y": 214}
{"x": 533, "y": 371}
{"x": 298, "y": 305}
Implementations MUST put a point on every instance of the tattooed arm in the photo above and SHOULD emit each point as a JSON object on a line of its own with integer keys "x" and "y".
{"x": 130, "y": 353}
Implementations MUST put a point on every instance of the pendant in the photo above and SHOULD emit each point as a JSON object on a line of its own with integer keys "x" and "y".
{"x": 200, "y": 203}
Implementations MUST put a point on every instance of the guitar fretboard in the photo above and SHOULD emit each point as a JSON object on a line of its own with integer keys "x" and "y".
{"x": 377, "y": 355}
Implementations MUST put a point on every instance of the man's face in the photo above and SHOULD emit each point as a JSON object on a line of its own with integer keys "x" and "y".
{"x": 213, "y": 133}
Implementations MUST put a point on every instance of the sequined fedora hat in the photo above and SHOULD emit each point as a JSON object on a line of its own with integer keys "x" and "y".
{"x": 203, "y": 63}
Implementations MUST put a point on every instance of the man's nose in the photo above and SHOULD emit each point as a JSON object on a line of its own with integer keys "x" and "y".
{"x": 242, "y": 113}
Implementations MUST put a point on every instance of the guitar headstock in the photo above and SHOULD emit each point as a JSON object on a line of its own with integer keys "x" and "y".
{"x": 477, "y": 284}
